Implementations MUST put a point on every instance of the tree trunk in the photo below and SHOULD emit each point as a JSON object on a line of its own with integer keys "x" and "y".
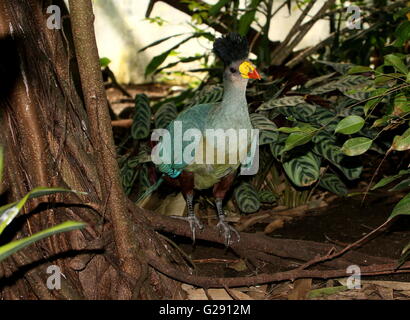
{"x": 56, "y": 130}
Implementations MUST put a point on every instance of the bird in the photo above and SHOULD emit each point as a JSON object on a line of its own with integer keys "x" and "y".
{"x": 196, "y": 172}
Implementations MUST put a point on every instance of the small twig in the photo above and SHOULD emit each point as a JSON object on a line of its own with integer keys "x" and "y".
{"x": 124, "y": 123}
{"x": 231, "y": 293}
{"x": 331, "y": 255}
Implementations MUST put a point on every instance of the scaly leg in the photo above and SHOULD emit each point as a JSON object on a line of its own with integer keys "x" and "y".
{"x": 186, "y": 182}
{"x": 223, "y": 226}
{"x": 220, "y": 189}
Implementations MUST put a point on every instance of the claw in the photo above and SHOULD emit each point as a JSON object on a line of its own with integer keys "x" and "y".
{"x": 227, "y": 230}
{"x": 193, "y": 221}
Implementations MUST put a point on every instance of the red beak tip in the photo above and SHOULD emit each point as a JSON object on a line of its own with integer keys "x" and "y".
{"x": 254, "y": 75}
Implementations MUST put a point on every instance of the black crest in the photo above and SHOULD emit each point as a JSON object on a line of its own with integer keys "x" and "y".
{"x": 231, "y": 47}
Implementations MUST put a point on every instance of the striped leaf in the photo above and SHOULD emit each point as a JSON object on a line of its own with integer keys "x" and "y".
{"x": 210, "y": 94}
{"x": 282, "y": 102}
{"x": 266, "y": 196}
{"x": 326, "y": 118}
{"x": 318, "y": 80}
{"x": 325, "y": 148}
{"x": 277, "y": 147}
{"x": 304, "y": 170}
{"x": 332, "y": 183}
{"x": 342, "y": 68}
{"x": 165, "y": 114}
{"x": 141, "y": 124}
{"x": 247, "y": 198}
{"x": 343, "y": 84}
{"x": 301, "y": 112}
{"x": 267, "y": 129}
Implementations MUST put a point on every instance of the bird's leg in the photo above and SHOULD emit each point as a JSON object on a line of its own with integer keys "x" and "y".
{"x": 220, "y": 190}
{"x": 186, "y": 182}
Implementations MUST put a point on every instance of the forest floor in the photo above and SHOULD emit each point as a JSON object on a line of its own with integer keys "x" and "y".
{"x": 341, "y": 222}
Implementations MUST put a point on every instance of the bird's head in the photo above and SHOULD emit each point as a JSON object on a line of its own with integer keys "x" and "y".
{"x": 233, "y": 50}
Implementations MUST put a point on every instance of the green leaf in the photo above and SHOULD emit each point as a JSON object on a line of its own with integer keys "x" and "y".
{"x": 267, "y": 129}
{"x": 304, "y": 170}
{"x": 402, "y": 143}
{"x": 356, "y": 146}
{"x": 339, "y": 67}
{"x": 350, "y": 125}
{"x": 165, "y": 114}
{"x": 342, "y": 84}
{"x": 160, "y": 41}
{"x": 387, "y": 180}
{"x": 333, "y": 183}
{"x": 159, "y": 59}
{"x": 209, "y": 94}
{"x": 325, "y": 147}
{"x": 395, "y": 61}
{"x": 302, "y": 111}
{"x": 10, "y": 211}
{"x": 401, "y": 104}
{"x": 14, "y": 246}
{"x": 401, "y": 208}
{"x": 247, "y": 18}
{"x": 402, "y": 34}
{"x": 267, "y": 196}
{"x": 104, "y": 62}
{"x": 379, "y": 94}
{"x": 401, "y": 185}
{"x": 297, "y": 139}
{"x": 217, "y": 7}
{"x": 141, "y": 123}
{"x": 282, "y": 102}
{"x": 247, "y": 198}
{"x": 359, "y": 69}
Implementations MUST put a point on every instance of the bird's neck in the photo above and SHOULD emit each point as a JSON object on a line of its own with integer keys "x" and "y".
{"x": 232, "y": 112}
{"x": 234, "y": 96}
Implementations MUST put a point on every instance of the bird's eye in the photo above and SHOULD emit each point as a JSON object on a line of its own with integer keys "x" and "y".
{"x": 233, "y": 70}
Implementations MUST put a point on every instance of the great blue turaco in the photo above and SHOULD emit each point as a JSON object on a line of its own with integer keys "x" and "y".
{"x": 231, "y": 113}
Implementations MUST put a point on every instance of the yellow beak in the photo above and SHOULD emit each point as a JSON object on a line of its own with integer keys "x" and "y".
{"x": 248, "y": 71}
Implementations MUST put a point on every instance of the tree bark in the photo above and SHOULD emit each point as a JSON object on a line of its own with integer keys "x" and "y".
{"x": 56, "y": 131}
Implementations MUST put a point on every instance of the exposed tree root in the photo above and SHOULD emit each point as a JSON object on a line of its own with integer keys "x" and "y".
{"x": 210, "y": 282}
{"x": 299, "y": 250}
{"x": 255, "y": 246}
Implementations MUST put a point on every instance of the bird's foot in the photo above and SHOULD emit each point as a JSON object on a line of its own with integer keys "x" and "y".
{"x": 227, "y": 231}
{"x": 194, "y": 223}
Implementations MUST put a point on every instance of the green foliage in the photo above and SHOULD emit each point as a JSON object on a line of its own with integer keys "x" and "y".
{"x": 104, "y": 62}
{"x": 303, "y": 170}
{"x": 165, "y": 114}
{"x": 142, "y": 119}
{"x": 356, "y": 146}
{"x": 333, "y": 183}
{"x": 247, "y": 198}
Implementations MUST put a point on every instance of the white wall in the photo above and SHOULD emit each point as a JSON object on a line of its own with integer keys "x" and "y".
{"x": 121, "y": 30}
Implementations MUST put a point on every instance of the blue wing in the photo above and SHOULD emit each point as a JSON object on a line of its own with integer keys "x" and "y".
{"x": 192, "y": 118}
